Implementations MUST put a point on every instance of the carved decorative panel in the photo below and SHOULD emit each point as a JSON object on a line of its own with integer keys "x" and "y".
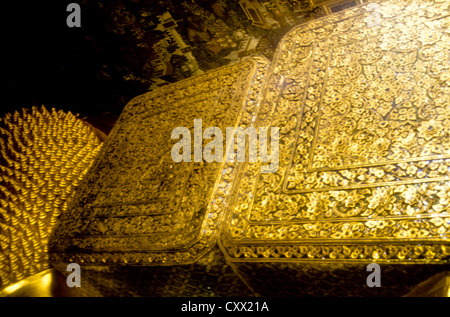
{"x": 44, "y": 154}
{"x": 362, "y": 102}
{"x": 137, "y": 205}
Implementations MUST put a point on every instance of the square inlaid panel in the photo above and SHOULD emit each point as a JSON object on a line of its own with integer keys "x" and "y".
{"x": 137, "y": 205}
{"x": 362, "y": 102}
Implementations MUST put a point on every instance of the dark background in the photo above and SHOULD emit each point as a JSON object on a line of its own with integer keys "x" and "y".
{"x": 48, "y": 63}
{"x": 82, "y": 69}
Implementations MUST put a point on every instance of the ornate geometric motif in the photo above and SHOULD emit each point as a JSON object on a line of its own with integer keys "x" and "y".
{"x": 361, "y": 99}
{"x": 137, "y": 205}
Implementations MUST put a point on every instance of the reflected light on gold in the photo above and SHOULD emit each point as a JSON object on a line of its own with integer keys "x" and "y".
{"x": 38, "y": 285}
{"x": 44, "y": 154}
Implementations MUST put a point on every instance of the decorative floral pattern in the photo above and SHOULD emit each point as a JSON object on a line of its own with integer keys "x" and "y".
{"x": 364, "y": 154}
{"x": 137, "y": 199}
{"x": 364, "y": 157}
